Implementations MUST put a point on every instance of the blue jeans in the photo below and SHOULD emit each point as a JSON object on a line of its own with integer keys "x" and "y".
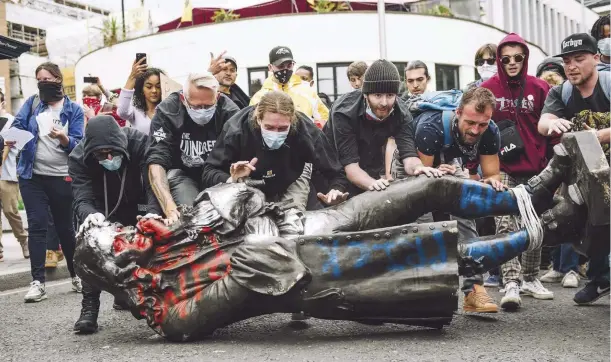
{"x": 565, "y": 258}
{"x": 39, "y": 194}
{"x": 52, "y": 237}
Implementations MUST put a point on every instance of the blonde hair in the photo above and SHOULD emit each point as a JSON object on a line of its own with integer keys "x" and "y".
{"x": 92, "y": 90}
{"x": 201, "y": 80}
{"x": 274, "y": 102}
{"x": 552, "y": 78}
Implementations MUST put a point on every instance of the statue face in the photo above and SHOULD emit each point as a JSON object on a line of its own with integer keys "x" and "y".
{"x": 107, "y": 255}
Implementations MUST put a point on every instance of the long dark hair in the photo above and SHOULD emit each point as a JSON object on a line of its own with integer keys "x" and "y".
{"x": 597, "y": 28}
{"x": 138, "y": 100}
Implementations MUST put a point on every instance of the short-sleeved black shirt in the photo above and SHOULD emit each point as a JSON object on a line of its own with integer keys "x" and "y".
{"x": 597, "y": 102}
{"x": 361, "y": 140}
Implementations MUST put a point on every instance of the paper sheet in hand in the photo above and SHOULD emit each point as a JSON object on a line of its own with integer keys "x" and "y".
{"x": 168, "y": 86}
{"x": 45, "y": 123}
{"x": 20, "y": 137}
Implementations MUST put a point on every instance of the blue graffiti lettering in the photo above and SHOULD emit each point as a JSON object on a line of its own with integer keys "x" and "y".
{"x": 332, "y": 261}
{"x": 340, "y": 259}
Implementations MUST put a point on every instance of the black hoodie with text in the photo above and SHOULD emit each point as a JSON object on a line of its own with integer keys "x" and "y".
{"x": 97, "y": 190}
{"x": 305, "y": 143}
{"x": 177, "y": 142}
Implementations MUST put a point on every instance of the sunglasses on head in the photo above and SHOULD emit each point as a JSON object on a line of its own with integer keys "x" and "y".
{"x": 101, "y": 156}
{"x": 480, "y": 62}
{"x": 519, "y": 58}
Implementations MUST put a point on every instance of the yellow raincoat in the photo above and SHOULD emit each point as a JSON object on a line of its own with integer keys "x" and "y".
{"x": 305, "y": 98}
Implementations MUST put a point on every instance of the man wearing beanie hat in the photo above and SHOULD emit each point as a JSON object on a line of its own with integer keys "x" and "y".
{"x": 361, "y": 123}
{"x": 582, "y": 102}
{"x": 106, "y": 171}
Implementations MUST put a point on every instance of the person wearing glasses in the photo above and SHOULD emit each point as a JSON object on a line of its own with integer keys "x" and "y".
{"x": 107, "y": 185}
{"x": 523, "y": 153}
{"x": 184, "y": 129}
{"x": 282, "y": 78}
{"x": 485, "y": 63}
{"x": 57, "y": 126}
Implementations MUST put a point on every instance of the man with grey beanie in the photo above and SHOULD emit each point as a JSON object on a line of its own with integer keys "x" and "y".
{"x": 361, "y": 123}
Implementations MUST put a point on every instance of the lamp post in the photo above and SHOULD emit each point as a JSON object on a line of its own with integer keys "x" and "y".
{"x": 123, "y": 17}
{"x": 382, "y": 27}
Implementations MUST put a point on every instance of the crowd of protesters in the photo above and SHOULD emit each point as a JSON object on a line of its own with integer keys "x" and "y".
{"x": 116, "y": 157}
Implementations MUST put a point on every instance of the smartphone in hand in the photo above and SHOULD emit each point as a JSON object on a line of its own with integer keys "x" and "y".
{"x": 140, "y": 56}
{"x": 92, "y": 80}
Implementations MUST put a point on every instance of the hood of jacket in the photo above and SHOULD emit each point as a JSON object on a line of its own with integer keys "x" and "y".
{"x": 603, "y": 67}
{"x": 272, "y": 84}
{"x": 512, "y": 38}
{"x": 103, "y": 132}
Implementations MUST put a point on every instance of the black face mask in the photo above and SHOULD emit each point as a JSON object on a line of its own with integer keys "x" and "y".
{"x": 283, "y": 76}
{"x": 50, "y": 91}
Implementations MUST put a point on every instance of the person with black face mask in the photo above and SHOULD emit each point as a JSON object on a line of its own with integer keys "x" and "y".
{"x": 57, "y": 126}
{"x": 184, "y": 130}
{"x": 282, "y": 78}
{"x": 107, "y": 185}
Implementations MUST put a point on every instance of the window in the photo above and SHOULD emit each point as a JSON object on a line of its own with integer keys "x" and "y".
{"x": 332, "y": 79}
{"x": 256, "y": 77}
{"x": 446, "y": 77}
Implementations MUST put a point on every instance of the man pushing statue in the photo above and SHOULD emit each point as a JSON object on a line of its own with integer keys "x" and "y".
{"x": 232, "y": 255}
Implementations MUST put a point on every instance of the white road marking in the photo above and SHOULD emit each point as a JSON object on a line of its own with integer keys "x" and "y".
{"x": 25, "y": 289}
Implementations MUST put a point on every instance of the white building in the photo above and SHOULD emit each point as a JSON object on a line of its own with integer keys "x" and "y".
{"x": 329, "y": 42}
{"x": 28, "y": 21}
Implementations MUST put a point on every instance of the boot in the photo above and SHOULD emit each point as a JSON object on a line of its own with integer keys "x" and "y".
{"x": 88, "y": 321}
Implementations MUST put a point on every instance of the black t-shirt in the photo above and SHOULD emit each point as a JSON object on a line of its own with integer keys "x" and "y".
{"x": 361, "y": 140}
{"x": 597, "y": 102}
{"x": 430, "y": 140}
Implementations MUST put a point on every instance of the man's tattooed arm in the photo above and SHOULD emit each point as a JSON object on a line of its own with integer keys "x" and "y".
{"x": 161, "y": 189}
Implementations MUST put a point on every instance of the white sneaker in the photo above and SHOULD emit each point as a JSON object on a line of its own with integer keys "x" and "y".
{"x": 36, "y": 293}
{"x": 76, "y": 285}
{"x": 511, "y": 300}
{"x": 570, "y": 280}
{"x": 552, "y": 276}
{"x": 536, "y": 290}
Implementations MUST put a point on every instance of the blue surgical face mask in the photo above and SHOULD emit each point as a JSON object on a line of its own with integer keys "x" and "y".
{"x": 274, "y": 140}
{"x": 201, "y": 116}
{"x": 112, "y": 165}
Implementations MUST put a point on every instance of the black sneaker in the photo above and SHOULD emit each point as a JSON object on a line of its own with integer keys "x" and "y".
{"x": 591, "y": 293}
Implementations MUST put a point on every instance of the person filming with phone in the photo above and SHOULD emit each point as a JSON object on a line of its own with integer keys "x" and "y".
{"x": 140, "y": 95}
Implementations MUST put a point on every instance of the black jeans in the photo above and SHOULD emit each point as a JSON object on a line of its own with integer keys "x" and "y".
{"x": 39, "y": 194}
{"x": 52, "y": 237}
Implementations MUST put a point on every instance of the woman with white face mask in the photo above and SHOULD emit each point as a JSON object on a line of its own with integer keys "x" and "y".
{"x": 273, "y": 142}
{"x": 485, "y": 63}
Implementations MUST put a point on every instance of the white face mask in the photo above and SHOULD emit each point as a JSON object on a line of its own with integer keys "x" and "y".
{"x": 274, "y": 140}
{"x": 487, "y": 71}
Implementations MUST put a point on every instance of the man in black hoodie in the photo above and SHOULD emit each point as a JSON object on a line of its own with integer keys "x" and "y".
{"x": 183, "y": 133}
{"x": 107, "y": 185}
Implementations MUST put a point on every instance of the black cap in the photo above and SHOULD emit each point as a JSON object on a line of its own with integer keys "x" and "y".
{"x": 381, "y": 77}
{"x": 580, "y": 42}
{"x": 553, "y": 64}
{"x": 231, "y": 60}
{"x": 279, "y": 55}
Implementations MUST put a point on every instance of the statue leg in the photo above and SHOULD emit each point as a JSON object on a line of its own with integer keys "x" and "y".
{"x": 484, "y": 253}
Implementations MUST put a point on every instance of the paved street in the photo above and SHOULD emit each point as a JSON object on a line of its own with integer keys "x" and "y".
{"x": 542, "y": 331}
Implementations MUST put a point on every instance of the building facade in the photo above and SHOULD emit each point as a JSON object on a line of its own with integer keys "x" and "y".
{"x": 329, "y": 42}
